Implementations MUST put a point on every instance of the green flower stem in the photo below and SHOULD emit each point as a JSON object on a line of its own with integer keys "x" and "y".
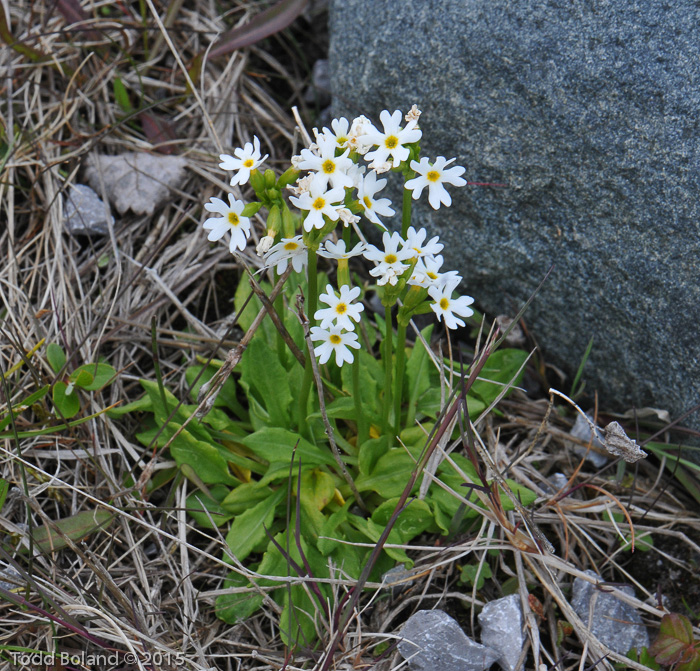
{"x": 362, "y": 430}
{"x": 387, "y": 353}
{"x": 312, "y": 303}
{"x": 281, "y": 345}
{"x": 406, "y": 212}
{"x": 400, "y": 367}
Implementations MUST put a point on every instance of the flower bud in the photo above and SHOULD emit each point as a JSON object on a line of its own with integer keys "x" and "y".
{"x": 270, "y": 179}
{"x": 257, "y": 181}
{"x": 288, "y": 177}
{"x": 251, "y": 209}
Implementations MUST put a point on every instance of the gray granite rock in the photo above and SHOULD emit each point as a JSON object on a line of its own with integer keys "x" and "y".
{"x": 588, "y": 114}
{"x": 432, "y": 640}
{"x": 614, "y": 622}
{"x": 84, "y": 212}
{"x": 502, "y": 630}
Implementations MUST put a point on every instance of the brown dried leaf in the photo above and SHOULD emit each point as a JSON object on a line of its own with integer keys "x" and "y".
{"x": 619, "y": 444}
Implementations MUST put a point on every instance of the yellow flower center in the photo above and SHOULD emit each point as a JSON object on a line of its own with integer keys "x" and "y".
{"x": 248, "y": 163}
{"x": 341, "y": 140}
{"x": 367, "y": 202}
{"x": 432, "y": 275}
{"x": 391, "y": 142}
{"x": 390, "y": 258}
{"x": 433, "y": 176}
{"x": 335, "y": 339}
{"x": 233, "y": 219}
{"x": 444, "y": 303}
{"x": 319, "y": 203}
{"x": 341, "y": 308}
{"x": 328, "y": 167}
{"x": 290, "y": 246}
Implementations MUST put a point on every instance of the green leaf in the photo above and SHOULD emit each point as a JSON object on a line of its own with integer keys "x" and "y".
{"x": 93, "y": 376}
{"x": 329, "y": 531}
{"x": 248, "y": 529}
{"x": 80, "y": 378}
{"x": 317, "y": 488}
{"x": 524, "y": 495}
{"x": 414, "y": 519}
{"x": 121, "y": 96}
{"x": 264, "y": 375}
{"x": 245, "y": 496}
{"x": 202, "y": 457}
{"x": 277, "y": 445}
{"x": 370, "y": 452}
{"x": 198, "y": 502}
{"x": 227, "y": 393}
{"x": 643, "y": 657}
{"x": 68, "y": 405}
{"x": 674, "y": 644}
{"x": 371, "y": 381}
{"x": 238, "y": 607}
{"x": 500, "y": 367}
{"x": 374, "y": 531}
{"x": 4, "y": 488}
{"x": 475, "y": 574}
{"x": 56, "y": 357}
{"x": 76, "y": 528}
{"x": 418, "y": 370}
{"x": 143, "y": 404}
{"x": 340, "y": 408}
{"x": 390, "y": 475}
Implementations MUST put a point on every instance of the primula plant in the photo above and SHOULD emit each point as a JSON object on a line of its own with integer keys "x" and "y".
{"x": 309, "y": 452}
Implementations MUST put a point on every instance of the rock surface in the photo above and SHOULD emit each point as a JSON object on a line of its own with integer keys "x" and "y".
{"x": 588, "y": 114}
{"x": 432, "y": 640}
{"x": 615, "y": 623}
{"x": 502, "y": 630}
{"x": 85, "y": 213}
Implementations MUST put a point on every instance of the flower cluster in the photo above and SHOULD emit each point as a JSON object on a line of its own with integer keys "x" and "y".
{"x": 340, "y": 183}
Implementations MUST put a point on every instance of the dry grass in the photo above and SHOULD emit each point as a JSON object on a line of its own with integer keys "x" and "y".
{"x": 149, "y": 582}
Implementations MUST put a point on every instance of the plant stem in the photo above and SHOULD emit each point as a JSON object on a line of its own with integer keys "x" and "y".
{"x": 387, "y": 353}
{"x": 400, "y": 367}
{"x": 281, "y": 345}
{"x": 312, "y": 302}
{"x": 362, "y": 431}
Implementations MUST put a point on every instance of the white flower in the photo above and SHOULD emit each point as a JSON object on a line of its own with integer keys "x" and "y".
{"x": 264, "y": 245}
{"x": 247, "y": 159}
{"x": 427, "y": 273}
{"x": 358, "y": 132}
{"x": 340, "y": 311}
{"x": 433, "y": 175}
{"x": 331, "y": 250}
{"x": 366, "y": 192}
{"x": 445, "y": 307}
{"x": 390, "y": 260}
{"x": 328, "y": 166}
{"x": 287, "y": 249}
{"x": 415, "y": 243}
{"x": 340, "y": 132}
{"x": 334, "y": 340}
{"x": 413, "y": 114}
{"x": 230, "y": 220}
{"x": 355, "y": 173}
{"x": 391, "y": 141}
{"x": 302, "y": 185}
{"x": 319, "y": 202}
